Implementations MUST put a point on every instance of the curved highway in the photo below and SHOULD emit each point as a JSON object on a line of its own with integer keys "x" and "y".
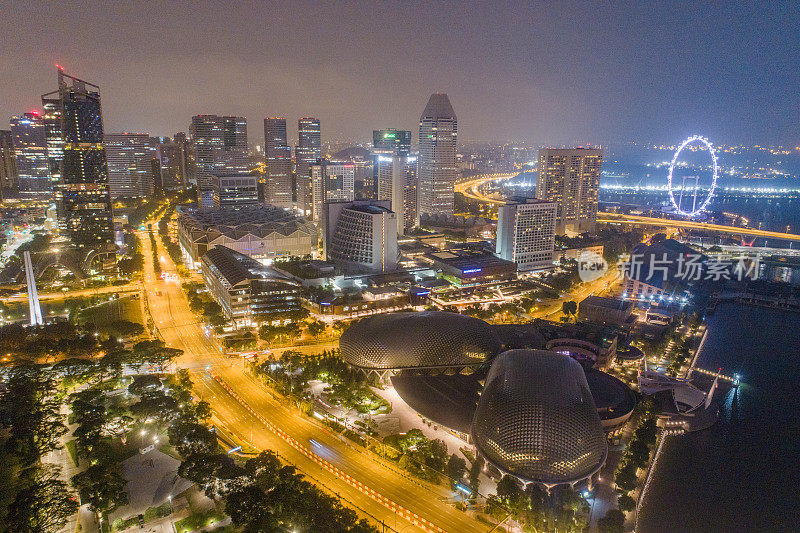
{"x": 471, "y": 189}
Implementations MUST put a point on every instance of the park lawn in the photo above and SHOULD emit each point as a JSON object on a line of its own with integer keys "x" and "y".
{"x": 152, "y": 513}
{"x": 197, "y": 521}
{"x": 125, "y": 308}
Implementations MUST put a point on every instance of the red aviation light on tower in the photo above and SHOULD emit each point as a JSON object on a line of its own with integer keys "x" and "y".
{"x": 59, "y": 67}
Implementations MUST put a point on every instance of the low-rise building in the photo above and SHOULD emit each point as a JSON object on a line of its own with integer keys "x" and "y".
{"x": 260, "y": 231}
{"x": 471, "y": 267}
{"x": 248, "y": 292}
{"x": 433, "y": 239}
{"x": 352, "y": 305}
{"x": 780, "y": 268}
{"x": 575, "y": 253}
{"x": 606, "y": 310}
{"x": 594, "y": 344}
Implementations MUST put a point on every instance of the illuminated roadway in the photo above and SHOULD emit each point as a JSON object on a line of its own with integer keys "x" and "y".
{"x": 471, "y": 189}
{"x": 111, "y": 289}
{"x": 377, "y": 488}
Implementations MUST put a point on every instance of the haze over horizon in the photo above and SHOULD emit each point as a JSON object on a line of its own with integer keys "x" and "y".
{"x": 558, "y": 74}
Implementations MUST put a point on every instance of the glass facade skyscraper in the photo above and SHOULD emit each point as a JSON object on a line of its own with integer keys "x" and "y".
{"x": 309, "y": 149}
{"x": 438, "y": 130}
{"x": 278, "y": 189}
{"x": 29, "y": 141}
{"x": 130, "y": 164}
{"x": 331, "y": 181}
{"x": 221, "y": 147}
{"x": 74, "y": 129}
{"x": 395, "y": 174}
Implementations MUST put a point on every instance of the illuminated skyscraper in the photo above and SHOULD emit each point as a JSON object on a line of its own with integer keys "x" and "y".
{"x": 130, "y": 164}
{"x": 391, "y": 142}
{"x": 438, "y": 130}
{"x": 331, "y": 181}
{"x": 571, "y": 178}
{"x": 169, "y": 155}
{"x": 395, "y": 172}
{"x": 29, "y": 141}
{"x": 55, "y": 140}
{"x": 8, "y": 163}
{"x": 221, "y": 147}
{"x": 360, "y": 236}
{"x": 309, "y": 149}
{"x": 82, "y": 193}
{"x": 238, "y": 191}
{"x": 526, "y": 230}
{"x": 278, "y": 189}
{"x": 188, "y": 159}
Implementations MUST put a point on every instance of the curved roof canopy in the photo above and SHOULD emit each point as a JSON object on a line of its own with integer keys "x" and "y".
{"x": 430, "y": 339}
{"x": 536, "y": 419}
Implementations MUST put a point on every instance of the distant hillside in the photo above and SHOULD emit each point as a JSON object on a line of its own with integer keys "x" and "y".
{"x": 354, "y": 152}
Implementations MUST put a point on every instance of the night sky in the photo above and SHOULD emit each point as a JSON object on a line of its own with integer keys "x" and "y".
{"x": 560, "y": 73}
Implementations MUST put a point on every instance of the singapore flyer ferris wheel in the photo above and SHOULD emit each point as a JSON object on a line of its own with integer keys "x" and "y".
{"x": 677, "y": 204}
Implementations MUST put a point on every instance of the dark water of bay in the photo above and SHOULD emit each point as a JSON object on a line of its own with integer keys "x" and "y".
{"x": 743, "y": 474}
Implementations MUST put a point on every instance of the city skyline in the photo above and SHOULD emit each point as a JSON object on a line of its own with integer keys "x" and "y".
{"x": 648, "y": 73}
{"x": 468, "y": 278}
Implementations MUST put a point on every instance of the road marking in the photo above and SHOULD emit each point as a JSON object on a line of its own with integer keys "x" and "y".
{"x": 415, "y": 519}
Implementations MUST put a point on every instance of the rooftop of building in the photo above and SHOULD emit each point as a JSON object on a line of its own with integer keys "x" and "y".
{"x": 370, "y": 209}
{"x": 607, "y": 302}
{"x": 791, "y": 261}
{"x": 236, "y": 267}
{"x": 307, "y": 269}
{"x": 434, "y": 283}
{"x": 671, "y": 247}
{"x": 438, "y": 107}
{"x": 468, "y": 260}
{"x": 415, "y": 247}
{"x": 536, "y": 419}
{"x": 259, "y": 220}
{"x": 234, "y": 175}
{"x": 450, "y": 400}
{"x": 598, "y": 334}
{"x": 519, "y": 199}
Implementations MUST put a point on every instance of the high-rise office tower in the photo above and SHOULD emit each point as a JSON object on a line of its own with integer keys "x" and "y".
{"x": 235, "y": 192}
{"x": 436, "y": 176}
{"x": 130, "y": 164}
{"x": 331, "y": 181}
{"x": 395, "y": 173}
{"x": 309, "y": 149}
{"x": 278, "y": 188}
{"x": 29, "y": 141}
{"x": 82, "y": 195}
{"x": 169, "y": 156}
{"x": 221, "y": 146}
{"x": 386, "y": 144}
{"x": 360, "y": 236}
{"x": 8, "y": 164}
{"x": 55, "y": 140}
{"x": 188, "y": 159}
{"x": 571, "y": 178}
{"x": 526, "y": 230}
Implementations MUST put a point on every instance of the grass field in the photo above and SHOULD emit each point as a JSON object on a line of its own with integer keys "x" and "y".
{"x": 125, "y": 308}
